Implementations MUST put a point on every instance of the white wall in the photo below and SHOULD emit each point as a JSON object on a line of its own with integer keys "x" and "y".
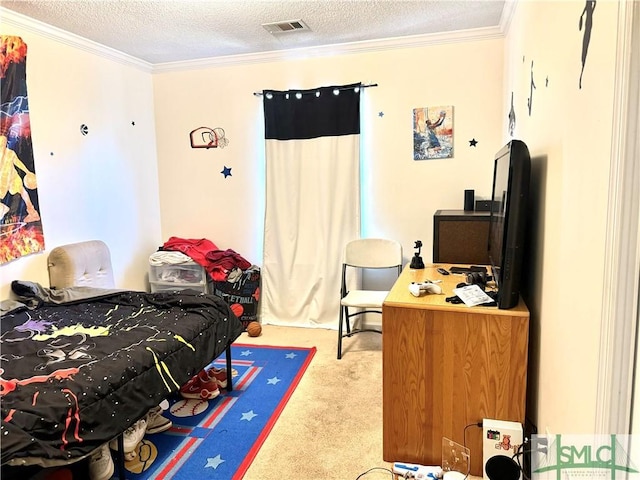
{"x": 100, "y": 186}
{"x": 569, "y": 135}
{"x": 400, "y": 195}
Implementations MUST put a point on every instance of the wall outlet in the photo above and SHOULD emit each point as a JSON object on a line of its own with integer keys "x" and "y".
{"x": 540, "y": 444}
{"x": 548, "y": 436}
{"x": 539, "y": 448}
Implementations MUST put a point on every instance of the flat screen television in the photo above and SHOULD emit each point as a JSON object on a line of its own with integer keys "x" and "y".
{"x": 507, "y": 222}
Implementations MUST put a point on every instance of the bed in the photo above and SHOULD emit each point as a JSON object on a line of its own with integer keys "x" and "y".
{"x": 79, "y": 364}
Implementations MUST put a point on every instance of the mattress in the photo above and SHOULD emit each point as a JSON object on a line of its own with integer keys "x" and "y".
{"x": 80, "y": 365}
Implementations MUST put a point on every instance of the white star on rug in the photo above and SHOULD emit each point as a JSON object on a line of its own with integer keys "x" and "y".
{"x": 245, "y": 353}
{"x": 248, "y": 415}
{"x": 291, "y": 355}
{"x": 214, "y": 462}
{"x": 273, "y": 381}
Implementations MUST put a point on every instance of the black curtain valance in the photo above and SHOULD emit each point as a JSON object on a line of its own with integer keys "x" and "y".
{"x": 318, "y": 112}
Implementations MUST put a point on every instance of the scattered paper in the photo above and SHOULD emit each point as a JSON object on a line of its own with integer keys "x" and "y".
{"x": 472, "y": 295}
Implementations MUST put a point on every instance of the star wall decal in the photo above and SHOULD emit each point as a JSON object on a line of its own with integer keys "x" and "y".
{"x": 473, "y": 142}
{"x": 381, "y": 114}
{"x": 214, "y": 462}
{"x": 291, "y": 355}
{"x": 248, "y": 416}
{"x": 273, "y": 381}
{"x": 226, "y": 171}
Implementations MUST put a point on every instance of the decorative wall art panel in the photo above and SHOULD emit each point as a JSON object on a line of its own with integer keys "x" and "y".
{"x": 432, "y": 133}
{"x": 20, "y": 225}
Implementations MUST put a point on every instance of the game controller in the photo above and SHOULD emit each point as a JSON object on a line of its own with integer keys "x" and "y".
{"x": 416, "y": 288}
{"x": 419, "y": 472}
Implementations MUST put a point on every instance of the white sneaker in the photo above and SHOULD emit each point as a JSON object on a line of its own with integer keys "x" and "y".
{"x": 132, "y": 437}
{"x": 101, "y": 464}
{"x": 156, "y": 423}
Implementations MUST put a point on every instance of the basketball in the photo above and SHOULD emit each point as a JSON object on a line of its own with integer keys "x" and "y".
{"x": 30, "y": 181}
{"x": 254, "y": 329}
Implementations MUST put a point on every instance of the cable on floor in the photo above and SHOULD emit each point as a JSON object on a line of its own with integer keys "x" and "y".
{"x": 375, "y": 468}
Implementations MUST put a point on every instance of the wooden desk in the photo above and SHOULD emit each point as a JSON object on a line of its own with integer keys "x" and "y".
{"x": 445, "y": 367}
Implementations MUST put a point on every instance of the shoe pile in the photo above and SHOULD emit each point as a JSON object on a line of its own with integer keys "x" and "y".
{"x": 220, "y": 374}
{"x": 132, "y": 436}
{"x": 205, "y": 385}
{"x": 156, "y": 423}
{"x": 101, "y": 464}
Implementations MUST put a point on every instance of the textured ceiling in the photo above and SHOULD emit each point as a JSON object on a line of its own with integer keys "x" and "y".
{"x": 159, "y": 31}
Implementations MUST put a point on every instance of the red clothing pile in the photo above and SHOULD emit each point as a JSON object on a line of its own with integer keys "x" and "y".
{"x": 218, "y": 263}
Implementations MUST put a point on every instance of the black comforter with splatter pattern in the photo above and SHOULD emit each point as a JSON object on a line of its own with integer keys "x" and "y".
{"x": 75, "y": 374}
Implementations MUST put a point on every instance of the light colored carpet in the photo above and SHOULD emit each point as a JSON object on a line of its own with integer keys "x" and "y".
{"x": 332, "y": 426}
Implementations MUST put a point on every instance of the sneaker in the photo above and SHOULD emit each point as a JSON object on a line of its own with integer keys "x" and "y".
{"x": 202, "y": 386}
{"x": 192, "y": 381}
{"x": 156, "y": 423}
{"x": 101, "y": 464}
{"x": 132, "y": 437}
{"x": 220, "y": 374}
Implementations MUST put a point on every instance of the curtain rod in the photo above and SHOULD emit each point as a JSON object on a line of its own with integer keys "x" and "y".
{"x": 259, "y": 94}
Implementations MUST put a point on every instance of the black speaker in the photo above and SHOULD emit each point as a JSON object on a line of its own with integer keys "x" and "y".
{"x": 501, "y": 467}
{"x": 469, "y": 198}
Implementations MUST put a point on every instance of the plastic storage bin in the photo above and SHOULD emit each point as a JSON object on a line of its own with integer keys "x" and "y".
{"x": 177, "y": 273}
{"x": 164, "y": 278}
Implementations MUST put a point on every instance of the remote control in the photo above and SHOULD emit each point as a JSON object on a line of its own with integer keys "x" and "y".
{"x": 416, "y": 288}
{"x": 442, "y": 271}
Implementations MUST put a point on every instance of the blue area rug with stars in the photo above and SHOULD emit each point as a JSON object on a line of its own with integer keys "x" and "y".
{"x": 219, "y": 438}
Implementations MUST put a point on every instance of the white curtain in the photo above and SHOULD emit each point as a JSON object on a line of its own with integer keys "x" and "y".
{"x": 312, "y": 201}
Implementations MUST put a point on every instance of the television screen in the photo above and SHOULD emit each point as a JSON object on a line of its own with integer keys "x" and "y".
{"x": 507, "y": 224}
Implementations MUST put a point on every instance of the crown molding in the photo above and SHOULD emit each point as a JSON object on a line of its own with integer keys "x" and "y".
{"x": 414, "y": 41}
{"x": 507, "y": 15}
{"x": 14, "y": 19}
